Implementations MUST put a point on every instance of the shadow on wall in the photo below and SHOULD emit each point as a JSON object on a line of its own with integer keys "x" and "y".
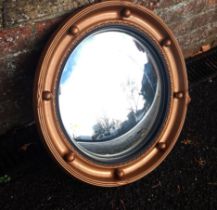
{"x": 19, "y": 56}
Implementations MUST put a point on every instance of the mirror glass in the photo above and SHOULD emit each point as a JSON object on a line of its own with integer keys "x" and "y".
{"x": 110, "y": 91}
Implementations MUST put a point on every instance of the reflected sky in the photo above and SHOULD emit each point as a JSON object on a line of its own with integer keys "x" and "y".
{"x": 106, "y": 87}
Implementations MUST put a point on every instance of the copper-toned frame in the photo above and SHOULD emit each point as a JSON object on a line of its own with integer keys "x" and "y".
{"x": 74, "y": 29}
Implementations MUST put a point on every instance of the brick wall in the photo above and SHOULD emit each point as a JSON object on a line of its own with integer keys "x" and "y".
{"x": 26, "y": 25}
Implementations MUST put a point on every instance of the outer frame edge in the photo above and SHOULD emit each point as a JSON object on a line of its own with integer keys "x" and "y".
{"x": 36, "y": 102}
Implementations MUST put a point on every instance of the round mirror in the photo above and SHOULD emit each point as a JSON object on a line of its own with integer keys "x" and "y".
{"x": 109, "y": 91}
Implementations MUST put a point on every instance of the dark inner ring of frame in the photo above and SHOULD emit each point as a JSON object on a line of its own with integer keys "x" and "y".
{"x": 113, "y": 94}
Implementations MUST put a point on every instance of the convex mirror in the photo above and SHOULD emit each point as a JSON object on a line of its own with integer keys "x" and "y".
{"x": 111, "y": 93}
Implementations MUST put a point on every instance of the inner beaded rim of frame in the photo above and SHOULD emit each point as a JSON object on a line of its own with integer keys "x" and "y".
{"x": 112, "y": 94}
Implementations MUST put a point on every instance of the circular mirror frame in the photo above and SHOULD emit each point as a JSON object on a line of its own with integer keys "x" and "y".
{"x": 62, "y": 43}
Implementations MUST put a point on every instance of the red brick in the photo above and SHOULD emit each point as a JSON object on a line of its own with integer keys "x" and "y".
{"x": 15, "y": 40}
{"x": 22, "y": 11}
{"x": 44, "y": 29}
{"x": 18, "y": 40}
{"x": 168, "y": 3}
{"x": 176, "y": 14}
{"x": 191, "y": 24}
{"x": 204, "y": 35}
{"x": 1, "y": 19}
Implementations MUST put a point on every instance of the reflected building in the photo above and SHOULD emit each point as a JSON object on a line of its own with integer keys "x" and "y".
{"x": 107, "y": 129}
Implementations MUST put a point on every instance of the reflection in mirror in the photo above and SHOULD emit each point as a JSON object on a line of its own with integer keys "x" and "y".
{"x": 109, "y": 86}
